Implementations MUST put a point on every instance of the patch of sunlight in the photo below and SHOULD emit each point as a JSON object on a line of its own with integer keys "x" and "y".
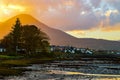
{"x": 85, "y": 74}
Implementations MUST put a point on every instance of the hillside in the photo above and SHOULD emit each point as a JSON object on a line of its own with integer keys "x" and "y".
{"x": 58, "y": 37}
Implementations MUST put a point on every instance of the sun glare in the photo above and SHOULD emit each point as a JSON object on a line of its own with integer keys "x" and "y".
{"x": 9, "y": 10}
{"x": 68, "y": 4}
{"x": 17, "y": 7}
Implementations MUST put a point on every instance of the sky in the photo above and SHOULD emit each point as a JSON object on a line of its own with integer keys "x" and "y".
{"x": 81, "y": 18}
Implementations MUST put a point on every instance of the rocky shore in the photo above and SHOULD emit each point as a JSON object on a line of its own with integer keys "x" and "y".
{"x": 71, "y": 70}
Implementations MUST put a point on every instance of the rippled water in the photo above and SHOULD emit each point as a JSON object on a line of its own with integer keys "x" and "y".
{"x": 71, "y": 70}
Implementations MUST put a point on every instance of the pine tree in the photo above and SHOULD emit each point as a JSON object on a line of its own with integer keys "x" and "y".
{"x": 16, "y": 33}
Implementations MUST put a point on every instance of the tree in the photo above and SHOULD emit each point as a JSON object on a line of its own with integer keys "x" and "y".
{"x": 12, "y": 40}
{"x": 16, "y": 34}
{"x": 7, "y": 42}
{"x": 33, "y": 39}
{"x": 27, "y": 37}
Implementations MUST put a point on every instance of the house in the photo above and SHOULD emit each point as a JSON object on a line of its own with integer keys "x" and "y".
{"x": 70, "y": 49}
{"x": 88, "y": 52}
{"x": 2, "y": 49}
{"x": 118, "y": 53}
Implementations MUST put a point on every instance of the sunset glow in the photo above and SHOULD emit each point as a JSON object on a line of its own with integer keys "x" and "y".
{"x": 98, "y": 34}
{"x": 8, "y": 10}
{"x": 80, "y": 18}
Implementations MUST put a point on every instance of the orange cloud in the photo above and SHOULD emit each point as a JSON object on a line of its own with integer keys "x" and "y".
{"x": 96, "y": 33}
{"x": 77, "y": 32}
{"x": 69, "y": 3}
{"x": 9, "y": 10}
{"x": 111, "y": 28}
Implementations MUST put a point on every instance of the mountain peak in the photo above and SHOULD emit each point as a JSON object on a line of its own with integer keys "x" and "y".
{"x": 5, "y": 27}
{"x": 24, "y": 16}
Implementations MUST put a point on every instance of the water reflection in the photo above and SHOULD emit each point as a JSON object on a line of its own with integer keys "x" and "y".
{"x": 110, "y": 77}
{"x": 71, "y": 70}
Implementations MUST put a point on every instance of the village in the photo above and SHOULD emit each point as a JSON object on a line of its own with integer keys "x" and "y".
{"x": 72, "y": 50}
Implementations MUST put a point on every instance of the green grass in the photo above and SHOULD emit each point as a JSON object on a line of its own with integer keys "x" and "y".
{"x": 10, "y": 57}
{"x": 6, "y": 65}
{"x": 8, "y": 62}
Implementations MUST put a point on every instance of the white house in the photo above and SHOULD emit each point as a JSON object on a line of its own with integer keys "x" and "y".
{"x": 118, "y": 52}
{"x": 2, "y": 49}
{"x": 89, "y": 52}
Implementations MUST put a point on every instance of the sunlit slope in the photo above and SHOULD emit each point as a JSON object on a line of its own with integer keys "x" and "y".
{"x": 58, "y": 37}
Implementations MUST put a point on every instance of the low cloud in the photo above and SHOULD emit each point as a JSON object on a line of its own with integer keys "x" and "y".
{"x": 111, "y": 28}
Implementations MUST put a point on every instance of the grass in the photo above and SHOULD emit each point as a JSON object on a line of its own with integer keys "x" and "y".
{"x": 23, "y": 62}
{"x": 10, "y": 57}
{"x": 8, "y": 62}
{"x": 13, "y": 63}
{"x": 5, "y": 71}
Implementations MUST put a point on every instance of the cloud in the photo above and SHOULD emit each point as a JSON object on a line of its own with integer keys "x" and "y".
{"x": 77, "y": 32}
{"x": 109, "y": 33}
{"x": 96, "y": 3}
{"x": 114, "y": 19}
{"x": 10, "y": 8}
{"x": 72, "y": 14}
{"x": 111, "y": 28}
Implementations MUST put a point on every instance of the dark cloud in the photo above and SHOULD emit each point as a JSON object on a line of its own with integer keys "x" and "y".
{"x": 96, "y": 3}
{"x": 114, "y": 3}
{"x": 114, "y": 19}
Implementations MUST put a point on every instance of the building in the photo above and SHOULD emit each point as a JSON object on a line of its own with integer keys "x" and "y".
{"x": 70, "y": 49}
{"x": 2, "y": 49}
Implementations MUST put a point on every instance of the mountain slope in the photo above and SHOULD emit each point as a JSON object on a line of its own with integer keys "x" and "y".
{"x": 58, "y": 37}
{"x": 54, "y": 34}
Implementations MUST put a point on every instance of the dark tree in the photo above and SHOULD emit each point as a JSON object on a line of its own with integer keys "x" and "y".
{"x": 12, "y": 40}
{"x": 7, "y": 42}
{"x": 28, "y": 38}
{"x": 34, "y": 40}
{"x": 16, "y": 34}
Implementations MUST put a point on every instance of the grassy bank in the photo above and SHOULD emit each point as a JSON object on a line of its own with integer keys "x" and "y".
{"x": 8, "y": 62}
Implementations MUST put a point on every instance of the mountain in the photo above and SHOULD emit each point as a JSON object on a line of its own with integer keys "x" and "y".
{"x": 58, "y": 37}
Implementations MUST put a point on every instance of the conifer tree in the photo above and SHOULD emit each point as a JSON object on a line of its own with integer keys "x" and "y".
{"x": 16, "y": 33}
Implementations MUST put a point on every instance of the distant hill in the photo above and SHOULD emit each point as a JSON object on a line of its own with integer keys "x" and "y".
{"x": 58, "y": 37}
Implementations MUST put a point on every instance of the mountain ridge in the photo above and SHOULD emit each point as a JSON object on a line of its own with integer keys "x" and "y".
{"x": 58, "y": 37}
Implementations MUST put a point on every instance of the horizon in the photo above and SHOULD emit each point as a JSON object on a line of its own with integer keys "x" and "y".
{"x": 99, "y": 19}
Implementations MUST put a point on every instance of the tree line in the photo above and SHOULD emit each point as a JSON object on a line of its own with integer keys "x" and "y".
{"x": 25, "y": 38}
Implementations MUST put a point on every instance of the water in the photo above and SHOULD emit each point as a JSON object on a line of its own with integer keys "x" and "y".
{"x": 71, "y": 70}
